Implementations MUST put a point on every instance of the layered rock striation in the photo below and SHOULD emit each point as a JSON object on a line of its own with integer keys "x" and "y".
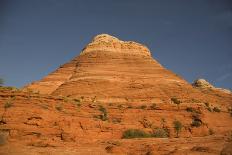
{"x": 113, "y": 70}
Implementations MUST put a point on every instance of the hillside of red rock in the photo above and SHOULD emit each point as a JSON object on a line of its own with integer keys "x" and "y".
{"x": 114, "y": 98}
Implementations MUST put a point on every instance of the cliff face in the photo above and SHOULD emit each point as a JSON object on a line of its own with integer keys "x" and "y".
{"x": 116, "y": 71}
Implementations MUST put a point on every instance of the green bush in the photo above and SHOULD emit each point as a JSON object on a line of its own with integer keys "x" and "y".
{"x": 177, "y": 126}
{"x": 135, "y": 133}
{"x": 216, "y": 109}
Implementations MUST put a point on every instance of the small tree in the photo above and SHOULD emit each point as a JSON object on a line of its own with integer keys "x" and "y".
{"x": 177, "y": 126}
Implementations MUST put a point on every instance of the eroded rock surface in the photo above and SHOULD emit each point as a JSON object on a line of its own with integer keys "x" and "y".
{"x": 87, "y": 105}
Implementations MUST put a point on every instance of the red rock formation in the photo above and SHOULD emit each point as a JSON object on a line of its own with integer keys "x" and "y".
{"x": 115, "y": 71}
{"x": 86, "y": 105}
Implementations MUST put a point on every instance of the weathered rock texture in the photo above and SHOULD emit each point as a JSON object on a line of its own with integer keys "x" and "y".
{"x": 86, "y": 105}
{"x": 203, "y": 84}
{"x": 116, "y": 71}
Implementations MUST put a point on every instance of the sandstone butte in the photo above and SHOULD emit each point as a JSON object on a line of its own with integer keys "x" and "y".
{"x": 99, "y": 101}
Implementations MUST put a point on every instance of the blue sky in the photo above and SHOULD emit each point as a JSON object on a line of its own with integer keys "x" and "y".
{"x": 192, "y": 38}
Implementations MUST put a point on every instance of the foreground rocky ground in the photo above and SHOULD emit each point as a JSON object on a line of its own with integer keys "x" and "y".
{"x": 44, "y": 124}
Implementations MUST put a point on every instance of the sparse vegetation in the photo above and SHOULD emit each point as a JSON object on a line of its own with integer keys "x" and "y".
{"x": 143, "y": 107}
{"x": 196, "y": 120}
{"x": 8, "y": 104}
{"x": 135, "y": 133}
{"x": 77, "y": 102}
{"x": 196, "y": 123}
{"x": 161, "y": 133}
{"x": 176, "y": 101}
{"x": 216, "y": 109}
{"x": 177, "y": 126}
{"x": 153, "y": 106}
{"x": 94, "y": 99}
{"x": 208, "y": 106}
{"x": 104, "y": 115}
{"x": 190, "y": 109}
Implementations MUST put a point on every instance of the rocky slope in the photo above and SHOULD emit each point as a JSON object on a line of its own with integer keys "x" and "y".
{"x": 114, "y": 88}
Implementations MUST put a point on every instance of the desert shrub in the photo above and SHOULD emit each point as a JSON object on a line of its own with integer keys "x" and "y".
{"x": 175, "y": 100}
{"x": 143, "y": 107}
{"x": 177, "y": 126}
{"x": 190, "y": 109}
{"x": 196, "y": 123}
{"x": 161, "y": 133}
{"x": 8, "y": 104}
{"x": 135, "y": 133}
{"x": 153, "y": 106}
{"x": 104, "y": 115}
{"x": 216, "y": 109}
{"x": 77, "y": 102}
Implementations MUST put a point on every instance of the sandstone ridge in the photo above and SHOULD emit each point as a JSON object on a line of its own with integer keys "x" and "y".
{"x": 203, "y": 84}
{"x": 110, "y": 43}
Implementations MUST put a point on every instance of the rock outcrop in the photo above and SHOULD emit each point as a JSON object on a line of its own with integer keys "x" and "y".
{"x": 115, "y": 71}
{"x": 113, "y": 88}
{"x": 203, "y": 84}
